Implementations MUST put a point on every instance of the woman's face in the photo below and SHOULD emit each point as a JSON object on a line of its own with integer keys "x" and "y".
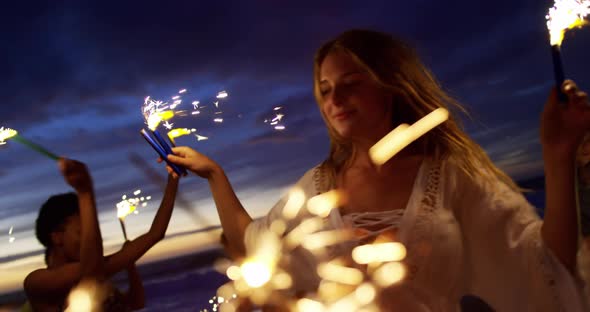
{"x": 351, "y": 101}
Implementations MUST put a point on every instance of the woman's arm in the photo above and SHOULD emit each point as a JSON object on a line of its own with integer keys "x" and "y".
{"x": 563, "y": 126}
{"x": 234, "y": 218}
{"x": 136, "y": 248}
{"x": 91, "y": 258}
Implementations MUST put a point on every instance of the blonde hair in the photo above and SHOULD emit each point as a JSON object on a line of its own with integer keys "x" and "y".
{"x": 397, "y": 68}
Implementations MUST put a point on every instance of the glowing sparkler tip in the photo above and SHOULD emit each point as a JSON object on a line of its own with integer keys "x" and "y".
{"x": 564, "y": 15}
{"x": 6, "y": 133}
{"x": 182, "y": 91}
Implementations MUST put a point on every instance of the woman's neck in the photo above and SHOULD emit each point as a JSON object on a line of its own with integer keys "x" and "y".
{"x": 363, "y": 160}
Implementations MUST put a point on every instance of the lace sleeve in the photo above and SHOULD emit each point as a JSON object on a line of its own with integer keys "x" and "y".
{"x": 508, "y": 264}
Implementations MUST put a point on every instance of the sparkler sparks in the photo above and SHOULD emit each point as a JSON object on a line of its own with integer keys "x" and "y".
{"x": 157, "y": 112}
{"x": 344, "y": 285}
{"x": 564, "y": 15}
{"x": 275, "y": 120}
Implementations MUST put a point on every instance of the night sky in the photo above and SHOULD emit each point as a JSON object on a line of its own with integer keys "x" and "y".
{"x": 75, "y": 74}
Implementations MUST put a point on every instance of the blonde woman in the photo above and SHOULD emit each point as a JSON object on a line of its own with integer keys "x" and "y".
{"x": 467, "y": 228}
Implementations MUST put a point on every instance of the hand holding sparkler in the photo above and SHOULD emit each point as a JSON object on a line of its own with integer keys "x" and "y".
{"x": 76, "y": 174}
{"x": 562, "y": 128}
{"x": 194, "y": 161}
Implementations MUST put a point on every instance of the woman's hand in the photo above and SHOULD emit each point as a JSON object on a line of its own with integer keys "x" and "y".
{"x": 564, "y": 126}
{"x": 192, "y": 160}
{"x": 76, "y": 174}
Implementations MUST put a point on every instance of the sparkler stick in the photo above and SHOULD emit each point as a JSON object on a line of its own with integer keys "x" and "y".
{"x": 7, "y": 133}
{"x": 160, "y": 151}
{"x": 564, "y": 15}
{"x": 122, "y": 222}
{"x": 36, "y": 147}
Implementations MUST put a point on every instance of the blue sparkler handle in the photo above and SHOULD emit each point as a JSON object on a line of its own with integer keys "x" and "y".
{"x": 160, "y": 151}
{"x": 166, "y": 147}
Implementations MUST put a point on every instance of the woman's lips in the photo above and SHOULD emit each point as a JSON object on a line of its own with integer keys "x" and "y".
{"x": 343, "y": 115}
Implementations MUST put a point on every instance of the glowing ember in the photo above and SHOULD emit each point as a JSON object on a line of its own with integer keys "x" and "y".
{"x": 564, "y": 15}
{"x": 222, "y": 95}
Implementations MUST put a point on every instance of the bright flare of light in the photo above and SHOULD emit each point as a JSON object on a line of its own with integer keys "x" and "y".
{"x": 80, "y": 300}
{"x": 308, "y": 305}
{"x": 255, "y": 273}
{"x": 389, "y": 274}
{"x": 322, "y": 204}
{"x": 6, "y": 133}
{"x": 403, "y": 135}
{"x": 182, "y": 91}
{"x": 10, "y": 230}
{"x": 279, "y": 127}
{"x": 154, "y": 119}
{"x": 338, "y": 273}
{"x": 564, "y": 15}
{"x": 294, "y": 203}
{"x": 365, "y": 293}
{"x": 222, "y": 95}
{"x": 218, "y": 120}
{"x": 383, "y": 252}
{"x": 325, "y": 238}
{"x": 234, "y": 273}
{"x": 124, "y": 208}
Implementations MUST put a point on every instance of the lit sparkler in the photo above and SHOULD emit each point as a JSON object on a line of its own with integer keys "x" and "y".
{"x": 129, "y": 205}
{"x": 7, "y": 133}
{"x": 564, "y": 15}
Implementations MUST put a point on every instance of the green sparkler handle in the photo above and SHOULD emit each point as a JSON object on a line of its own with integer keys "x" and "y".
{"x": 35, "y": 147}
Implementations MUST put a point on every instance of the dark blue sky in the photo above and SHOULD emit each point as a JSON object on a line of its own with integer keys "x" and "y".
{"x": 75, "y": 74}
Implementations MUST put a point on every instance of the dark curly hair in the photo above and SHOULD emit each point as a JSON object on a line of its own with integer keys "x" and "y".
{"x": 53, "y": 215}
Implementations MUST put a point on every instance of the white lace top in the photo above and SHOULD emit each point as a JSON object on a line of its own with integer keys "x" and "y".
{"x": 463, "y": 237}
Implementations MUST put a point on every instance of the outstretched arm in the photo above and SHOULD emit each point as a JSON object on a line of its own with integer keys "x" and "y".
{"x": 136, "y": 248}
{"x": 234, "y": 218}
